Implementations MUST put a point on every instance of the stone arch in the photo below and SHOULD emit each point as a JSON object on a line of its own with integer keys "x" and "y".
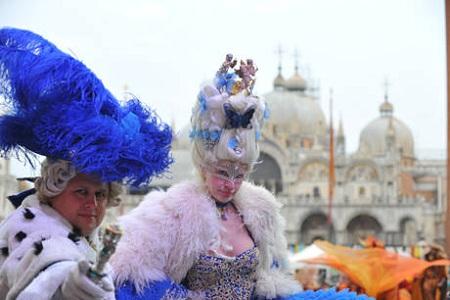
{"x": 409, "y": 230}
{"x": 314, "y": 170}
{"x": 361, "y": 226}
{"x": 315, "y": 227}
{"x": 362, "y": 171}
{"x": 311, "y": 182}
{"x": 362, "y": 182}
{"x": 268, "y": 173}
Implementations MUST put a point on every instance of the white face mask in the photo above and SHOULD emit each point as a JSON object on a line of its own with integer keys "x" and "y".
{"x": 224, "y": 179}
{"x": 230, "y": 171}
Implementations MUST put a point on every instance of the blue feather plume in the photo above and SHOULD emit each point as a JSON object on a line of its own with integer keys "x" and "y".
{"x": 58, "y": 108}
{"x": 323, "y": 294}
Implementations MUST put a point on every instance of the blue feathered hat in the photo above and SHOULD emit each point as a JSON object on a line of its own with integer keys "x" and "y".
{"x": 57, "y": 107}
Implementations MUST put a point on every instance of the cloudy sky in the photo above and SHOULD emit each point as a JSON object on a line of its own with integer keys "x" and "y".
{"x": 163, "y": 50}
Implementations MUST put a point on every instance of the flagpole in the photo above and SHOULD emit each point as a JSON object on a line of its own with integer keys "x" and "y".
{"x": 331, "y": 175}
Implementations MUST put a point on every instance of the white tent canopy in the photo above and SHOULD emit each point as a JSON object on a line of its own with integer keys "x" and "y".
{"x": 295, "y": 260}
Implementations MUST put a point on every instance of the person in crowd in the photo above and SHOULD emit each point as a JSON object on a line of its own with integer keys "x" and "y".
{"x": 432, "y": 284}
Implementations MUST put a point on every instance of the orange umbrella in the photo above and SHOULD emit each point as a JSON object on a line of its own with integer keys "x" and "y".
{"x": 374, "y": 269}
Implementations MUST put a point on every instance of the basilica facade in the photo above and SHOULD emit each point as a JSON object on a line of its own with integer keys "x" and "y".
{"x": 382, "y": 189}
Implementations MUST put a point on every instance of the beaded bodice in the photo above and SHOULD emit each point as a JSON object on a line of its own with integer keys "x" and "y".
{"x": 224, "y": 277}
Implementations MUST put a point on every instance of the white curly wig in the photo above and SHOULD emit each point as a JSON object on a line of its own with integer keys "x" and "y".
{"x": 213, "y": 140}
{"x": 56, "y": 173}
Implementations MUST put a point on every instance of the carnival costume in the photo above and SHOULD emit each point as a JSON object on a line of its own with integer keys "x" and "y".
{"x": 168, "y": 248}
{"x": 58, "y": 108}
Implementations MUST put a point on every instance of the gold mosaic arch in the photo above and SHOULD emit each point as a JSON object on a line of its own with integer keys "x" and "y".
{"x": 362, "y": 172}
{"x": 315, "y": 171}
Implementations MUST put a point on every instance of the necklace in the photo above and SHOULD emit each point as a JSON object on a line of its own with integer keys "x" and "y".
{"x": 221, "y": 209}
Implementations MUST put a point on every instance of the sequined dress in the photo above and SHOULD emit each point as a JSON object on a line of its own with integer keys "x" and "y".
{"x": 223, "y": 277}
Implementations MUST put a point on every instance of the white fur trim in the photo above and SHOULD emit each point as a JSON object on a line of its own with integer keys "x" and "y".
{"x": 166, "y": 233}
{"x": 22, "y": 265}
{"x": 56, "y": 249}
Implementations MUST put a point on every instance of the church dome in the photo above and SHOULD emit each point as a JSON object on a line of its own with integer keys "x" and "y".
{"x": 296, "y": 83}
{"x": 294, "y": 113}
{"x": 373, "y": 138}
{"x": 386, "y": 108}
{"x": 279, "y": 82}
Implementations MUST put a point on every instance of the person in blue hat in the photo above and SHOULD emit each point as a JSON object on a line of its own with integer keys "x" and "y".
{"x": 56, "y": 107}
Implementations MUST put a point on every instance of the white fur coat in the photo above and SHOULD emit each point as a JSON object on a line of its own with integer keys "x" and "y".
{"x": 168, "y": 231}
{"x": 37, "y": 252}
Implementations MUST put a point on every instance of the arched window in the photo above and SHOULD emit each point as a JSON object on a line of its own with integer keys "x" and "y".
{"x": 315, "y": 227}
{"x": 316, "y": 192}
{"x": 362, "y": 226}
{"x": 362, "y": 191}
{"x": 268, "y": 173}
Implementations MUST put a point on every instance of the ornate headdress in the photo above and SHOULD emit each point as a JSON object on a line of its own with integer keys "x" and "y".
{"x": 227, "y": 118}
{"x": 58, "y": 108}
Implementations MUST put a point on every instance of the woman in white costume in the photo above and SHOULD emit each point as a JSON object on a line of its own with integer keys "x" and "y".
{"x": 218, "y": 237}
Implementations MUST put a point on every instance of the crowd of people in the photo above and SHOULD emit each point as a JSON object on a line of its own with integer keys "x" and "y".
{"x": 217, "y": 236}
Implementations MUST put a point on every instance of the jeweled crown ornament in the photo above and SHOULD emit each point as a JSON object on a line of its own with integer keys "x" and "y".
{"x": 233, "y": 81}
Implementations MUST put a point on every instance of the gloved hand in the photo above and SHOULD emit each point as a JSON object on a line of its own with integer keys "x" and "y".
{"x": 78, "y": 286}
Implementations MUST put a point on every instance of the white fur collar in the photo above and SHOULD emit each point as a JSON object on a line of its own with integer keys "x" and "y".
{"x": 168, "y": 230}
